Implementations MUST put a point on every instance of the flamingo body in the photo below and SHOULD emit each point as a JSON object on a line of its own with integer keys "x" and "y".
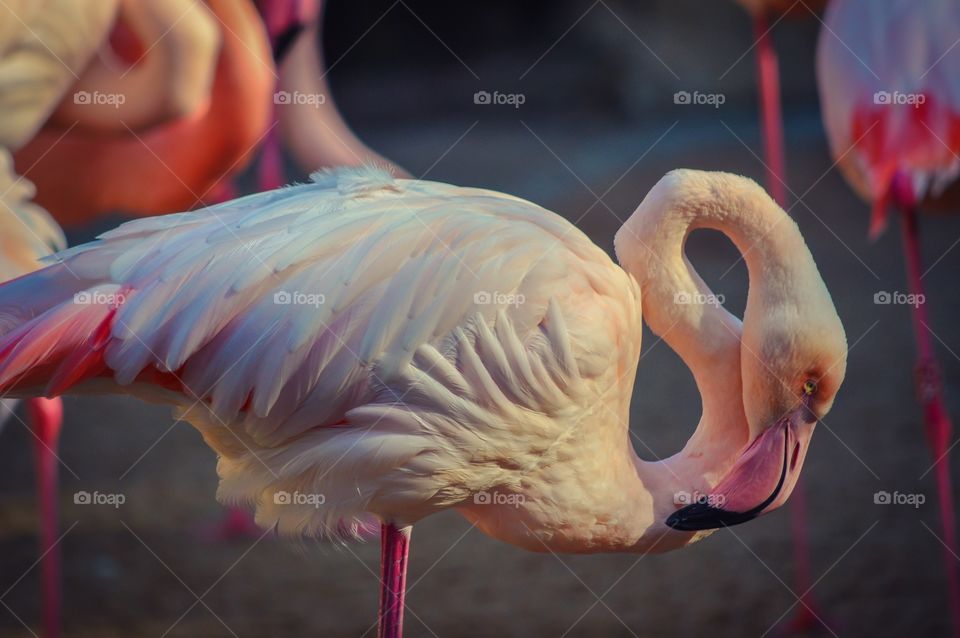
{"x": 326, "y": 378}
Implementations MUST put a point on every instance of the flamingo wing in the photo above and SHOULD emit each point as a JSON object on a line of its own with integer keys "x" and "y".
{"x": 355, "y": 322}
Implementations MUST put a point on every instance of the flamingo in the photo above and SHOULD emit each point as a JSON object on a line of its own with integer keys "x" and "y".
{"x": 160, "y": 57}
{"x": 362, "y": 350}
{"x": 27, "y": 234}
{"x": 309, "y": 123}
{"x": 162, "y": 61}
{"x": 890, "y": 98}
{"x": 174, "y": 163}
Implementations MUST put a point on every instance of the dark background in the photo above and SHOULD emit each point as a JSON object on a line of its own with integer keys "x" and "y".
{"x": 598, "y": 128}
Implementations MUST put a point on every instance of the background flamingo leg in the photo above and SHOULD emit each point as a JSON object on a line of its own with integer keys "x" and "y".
{"x": 771, "y": 126}
{"x": 930, "y": 392}
{"x": 394, "y": 552}
{"x": 771, "y": 117}
{"x": 46, "y": 417}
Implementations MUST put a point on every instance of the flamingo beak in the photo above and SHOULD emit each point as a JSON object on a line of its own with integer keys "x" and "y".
{"x": 760, "y": 481}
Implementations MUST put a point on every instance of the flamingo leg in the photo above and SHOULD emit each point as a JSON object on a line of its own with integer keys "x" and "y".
{"x": 46, "y": 417}
{"x": 771, "y": 118}
{"x": 930, "y": 392}
{"x": 806, "y": 617}
{"x": 771, "y": 124}
{"x": 394, "y": 551}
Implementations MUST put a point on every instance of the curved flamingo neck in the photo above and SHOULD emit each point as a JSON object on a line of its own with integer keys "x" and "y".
{"x": 680, "y": 307}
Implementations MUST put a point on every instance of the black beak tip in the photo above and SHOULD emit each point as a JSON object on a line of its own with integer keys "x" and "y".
{"x": 700, "y": 516}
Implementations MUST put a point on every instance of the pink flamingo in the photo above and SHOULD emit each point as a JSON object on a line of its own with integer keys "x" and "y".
{"x": 174, "y": 162}
{"x": 27, "y": 234}
{"x": 180, "y": 79}
{"x": 890, "y": 96}
{"x": 775, "y": 164}
{"x": 363, "y": 350}
{"x": 309, "y": 124}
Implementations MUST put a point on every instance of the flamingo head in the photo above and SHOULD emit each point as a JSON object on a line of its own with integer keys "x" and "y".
{"x": 764, "y": 475}
{"x": 792, "y": 354}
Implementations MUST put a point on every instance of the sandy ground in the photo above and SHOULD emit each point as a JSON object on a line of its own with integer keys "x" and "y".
{"x": 139, "y": 570}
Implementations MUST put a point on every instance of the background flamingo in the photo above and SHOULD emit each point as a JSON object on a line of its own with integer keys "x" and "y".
{"x": 889, "y": 81}
{"x": 26, "y": 234}
{"x": 161, "y": 62}
{"x": 37, "y": 65}
{"x": 173, "y": 164}
{"x": 486, "y": 366}
{"x": 309, "y": 123}
{"x": 764, "y": 16}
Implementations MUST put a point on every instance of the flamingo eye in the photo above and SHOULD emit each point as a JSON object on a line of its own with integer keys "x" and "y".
{"x": 809, "y": 387}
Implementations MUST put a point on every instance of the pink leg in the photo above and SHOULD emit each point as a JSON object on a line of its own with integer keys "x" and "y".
{"x": 270, "y": 169}
{"x": 768, "y": 77}
{"x": 771, "y": 123}
{"x": 807, "y": 615}
{"x": 936, "y": 420}
{"x": 46, "y": 417}
{"x": 394, "y": 551}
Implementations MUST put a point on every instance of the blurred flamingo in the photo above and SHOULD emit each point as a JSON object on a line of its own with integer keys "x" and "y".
{"x": 161, "y": 61}
{"x": 201, "y": 132}
{"x": 365, "y": 350}
{"x": 27, "y": 234}
{"x": 309, "y": 123}
{"x": 40, "y": 59}
{"x": 775, "y": 164}
{"x": 889, "y": 81}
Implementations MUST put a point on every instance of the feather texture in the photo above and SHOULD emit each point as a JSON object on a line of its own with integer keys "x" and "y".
{"x": 387, "y": 346}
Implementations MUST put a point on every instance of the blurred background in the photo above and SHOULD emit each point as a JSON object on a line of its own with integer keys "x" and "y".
{"x": 591, "y": 125}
